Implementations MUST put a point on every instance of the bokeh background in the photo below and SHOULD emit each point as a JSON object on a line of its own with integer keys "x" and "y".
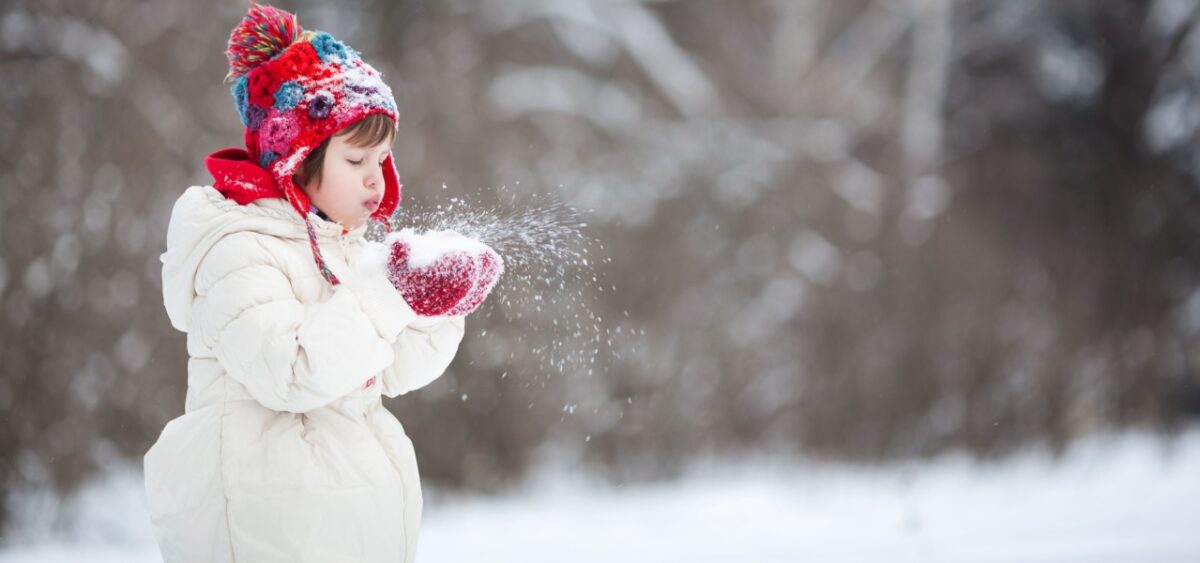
{"x": 864, "y": 231}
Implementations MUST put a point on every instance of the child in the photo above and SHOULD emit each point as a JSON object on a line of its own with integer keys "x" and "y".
{"x": 296, "y": 325}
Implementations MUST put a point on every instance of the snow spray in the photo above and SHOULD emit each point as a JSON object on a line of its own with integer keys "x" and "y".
{"x": 549, "y": 274}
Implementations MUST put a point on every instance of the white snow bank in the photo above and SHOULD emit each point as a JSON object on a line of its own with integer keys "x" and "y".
{"x": 1118, "y": 498}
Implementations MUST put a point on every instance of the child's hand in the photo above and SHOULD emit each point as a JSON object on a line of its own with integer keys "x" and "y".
{"x": 442, "y": 273}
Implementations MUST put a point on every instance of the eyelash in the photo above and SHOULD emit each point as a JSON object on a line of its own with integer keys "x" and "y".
{"x": 357, "y": 162}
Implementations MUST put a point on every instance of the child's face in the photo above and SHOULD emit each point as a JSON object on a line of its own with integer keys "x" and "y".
{"x": 350, "y": 184}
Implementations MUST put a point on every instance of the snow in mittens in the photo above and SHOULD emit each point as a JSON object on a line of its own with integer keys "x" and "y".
{"x": 430, "y": 246}
{"x": 439, "y": 273}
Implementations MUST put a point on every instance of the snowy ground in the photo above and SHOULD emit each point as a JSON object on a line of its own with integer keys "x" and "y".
{"x": 1117, "y": 498}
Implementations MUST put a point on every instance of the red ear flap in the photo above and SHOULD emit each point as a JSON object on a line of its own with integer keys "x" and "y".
{"x": 294, "y": 195}
{"x": 283, "y": 171}
{"x": 391, "y": 192}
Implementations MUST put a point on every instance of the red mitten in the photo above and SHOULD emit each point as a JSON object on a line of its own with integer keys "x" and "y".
{"x": 441, "y": 273}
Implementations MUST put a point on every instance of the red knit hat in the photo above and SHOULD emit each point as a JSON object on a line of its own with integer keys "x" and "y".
{"x": 294, "y": 89}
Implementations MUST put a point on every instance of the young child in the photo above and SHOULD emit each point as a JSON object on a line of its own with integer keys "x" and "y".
{"x": 297, "y": 325}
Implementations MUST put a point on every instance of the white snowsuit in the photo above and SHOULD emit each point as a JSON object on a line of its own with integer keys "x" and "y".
{"x": 282, "y": 454}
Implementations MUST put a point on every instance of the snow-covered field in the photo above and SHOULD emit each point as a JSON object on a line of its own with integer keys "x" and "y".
{"x": 1116, "y": 498}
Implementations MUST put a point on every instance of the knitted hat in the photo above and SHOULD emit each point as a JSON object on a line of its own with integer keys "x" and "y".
{"x": 294, "y": 89}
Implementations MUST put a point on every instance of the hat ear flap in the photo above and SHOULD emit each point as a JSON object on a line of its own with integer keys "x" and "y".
{"x": 294, "y": 195}
{"x": 391, "y": 192}
{"x": 283, "y": 178}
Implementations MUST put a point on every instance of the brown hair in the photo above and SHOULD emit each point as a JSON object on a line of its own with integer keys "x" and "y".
{"x": 366, "y": 132}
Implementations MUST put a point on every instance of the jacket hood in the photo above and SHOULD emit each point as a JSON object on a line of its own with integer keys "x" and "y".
{"x": 202, "y": 216}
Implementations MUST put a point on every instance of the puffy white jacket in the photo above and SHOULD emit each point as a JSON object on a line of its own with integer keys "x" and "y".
{"x": 285, "y": 451}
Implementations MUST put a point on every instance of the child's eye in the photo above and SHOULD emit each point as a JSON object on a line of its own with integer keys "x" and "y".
{"x": 354, "y": 162}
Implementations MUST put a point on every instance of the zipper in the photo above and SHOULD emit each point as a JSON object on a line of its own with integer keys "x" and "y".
{"x": 342, "y": 243}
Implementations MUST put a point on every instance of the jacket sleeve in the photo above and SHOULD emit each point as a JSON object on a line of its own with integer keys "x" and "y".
{"x": 423, "y": 352}
{"x": 288, "y": 355}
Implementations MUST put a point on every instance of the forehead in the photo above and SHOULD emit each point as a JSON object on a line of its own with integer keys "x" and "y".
{"x": 342, "y": 143}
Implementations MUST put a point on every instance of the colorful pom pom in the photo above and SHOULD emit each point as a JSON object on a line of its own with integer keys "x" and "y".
{"x": 264, "y": 32}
